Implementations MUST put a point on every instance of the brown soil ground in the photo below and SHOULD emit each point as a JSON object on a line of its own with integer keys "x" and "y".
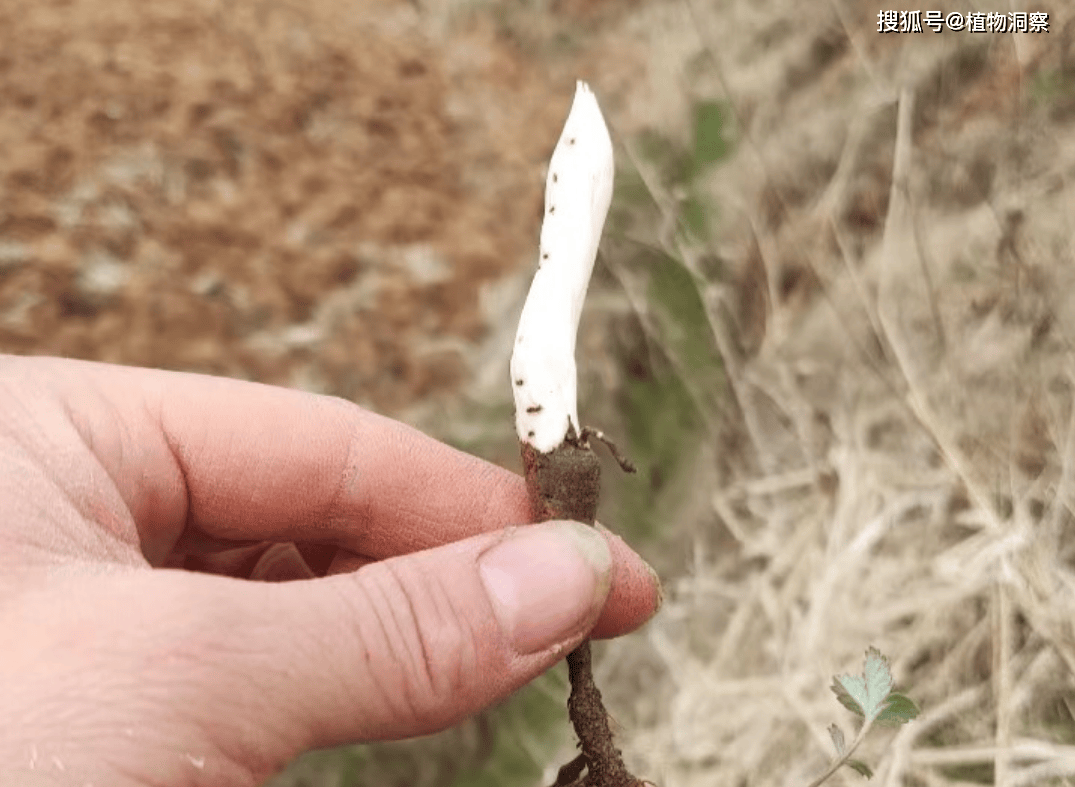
{"x": 308, "y": 194}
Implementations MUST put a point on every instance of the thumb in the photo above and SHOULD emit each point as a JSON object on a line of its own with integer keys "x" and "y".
{"x": 240, "y": 675}
{"x": 417, "y": 643}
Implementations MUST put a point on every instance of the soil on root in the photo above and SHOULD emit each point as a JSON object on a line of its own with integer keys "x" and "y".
{"x": 565, "y": 483}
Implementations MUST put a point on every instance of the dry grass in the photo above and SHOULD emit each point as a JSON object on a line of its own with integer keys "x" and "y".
{"x": 906, "y": 404}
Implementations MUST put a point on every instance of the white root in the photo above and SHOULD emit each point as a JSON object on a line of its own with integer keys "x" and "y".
{"x": 578, "y": 191}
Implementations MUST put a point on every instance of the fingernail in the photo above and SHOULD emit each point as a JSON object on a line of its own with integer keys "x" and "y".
{"x": 546, "y": 582}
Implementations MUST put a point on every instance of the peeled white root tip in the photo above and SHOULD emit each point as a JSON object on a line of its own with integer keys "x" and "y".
{"x": 578, "y": 190}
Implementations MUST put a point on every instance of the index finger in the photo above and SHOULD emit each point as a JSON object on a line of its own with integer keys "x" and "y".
{"x": 240, "y": 460}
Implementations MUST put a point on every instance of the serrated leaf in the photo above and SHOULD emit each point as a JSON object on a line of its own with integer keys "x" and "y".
{"x": 878, "y": 681}
{"x": 844, "y": 696}
{"x": 866, "y": 694}
{"x": 899, "y": 709}
{"x": 861, "y": 767}
{"x": 857, "y": 688}
{"x": 838, "y": 741}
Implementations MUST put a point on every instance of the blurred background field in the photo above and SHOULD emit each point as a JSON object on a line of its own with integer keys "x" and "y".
{"x": 831, "y": 321}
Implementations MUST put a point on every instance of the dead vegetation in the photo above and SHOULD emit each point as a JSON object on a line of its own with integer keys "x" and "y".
{"x": 903, "y": 219}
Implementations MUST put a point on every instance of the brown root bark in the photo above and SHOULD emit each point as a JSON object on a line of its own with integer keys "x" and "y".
{"x": 566, "y": 484}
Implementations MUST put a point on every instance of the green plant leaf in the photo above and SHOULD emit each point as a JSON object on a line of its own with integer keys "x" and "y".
{"x": 845, "y": 697}
{"x": 878, "y": 679}
{"x": 869, "y": 695}
{"x": 838, "y": 741}
{"x": 871, "y": 689}
{"x": 899, "y": 709}
{"x": 861, "y": 767}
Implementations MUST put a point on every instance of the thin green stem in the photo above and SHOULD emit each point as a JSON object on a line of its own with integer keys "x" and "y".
{"x": 842, "y": 760}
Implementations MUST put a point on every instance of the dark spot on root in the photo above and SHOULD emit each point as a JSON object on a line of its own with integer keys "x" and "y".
{"x": 534, "y": 408}
{"x": 519, "y": 381}
{"x": 552, "y": 208}
{"x": 571, "y": 141}
{"x": 545, "y": 256}
{"x": 554, "y": 178}
{"x": 531, "y": 433}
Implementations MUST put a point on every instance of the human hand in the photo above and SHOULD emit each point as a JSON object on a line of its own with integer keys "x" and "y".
{"x": 136, "y": 506}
